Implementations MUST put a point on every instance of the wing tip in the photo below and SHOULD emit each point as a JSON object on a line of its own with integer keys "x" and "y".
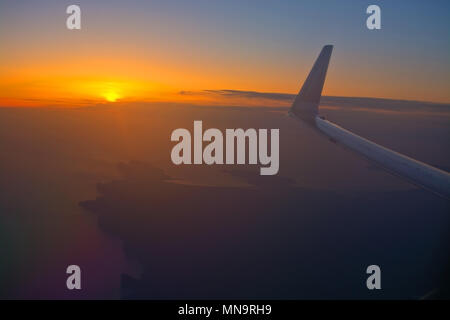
{"x": 306, "y": 103}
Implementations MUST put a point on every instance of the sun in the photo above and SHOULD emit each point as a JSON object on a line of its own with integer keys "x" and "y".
{"x": 111, "y": 96}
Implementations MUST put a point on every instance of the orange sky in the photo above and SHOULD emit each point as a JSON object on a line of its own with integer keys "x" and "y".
{"x": 131, "y": 54}
{"x": 65, "y": 80}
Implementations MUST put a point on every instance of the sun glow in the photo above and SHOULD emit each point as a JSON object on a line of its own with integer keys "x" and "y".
{"x": 111, "y": 96}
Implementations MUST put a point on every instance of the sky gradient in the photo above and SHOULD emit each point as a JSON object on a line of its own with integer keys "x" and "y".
{"x": 153, "y": 50}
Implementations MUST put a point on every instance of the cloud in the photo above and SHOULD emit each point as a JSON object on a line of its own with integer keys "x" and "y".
{"x": 242, "y": 95}
{"x": 348, "y": 103}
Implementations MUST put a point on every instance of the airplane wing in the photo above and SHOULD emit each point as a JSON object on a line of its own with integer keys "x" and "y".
{"x": 306, "y": 109}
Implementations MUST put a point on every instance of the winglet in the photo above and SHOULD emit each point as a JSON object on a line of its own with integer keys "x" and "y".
{"x": 306, "y": 104}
